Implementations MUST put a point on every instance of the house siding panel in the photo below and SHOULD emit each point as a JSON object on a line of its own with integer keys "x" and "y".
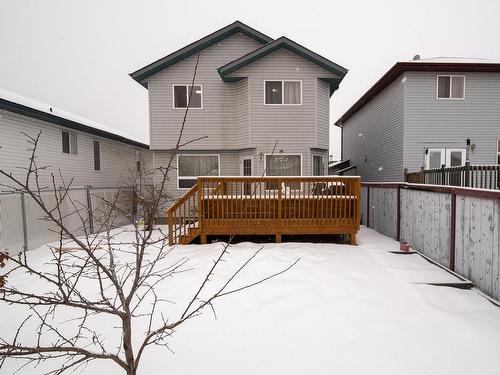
{"x": 292, "y": 126}
{"x": 217, "y": 120}
{"x": 117, "y": 159}
{"x": 376, "y": 132}
{"x": 437, "y": 123}
{"x": 242, "y": 117}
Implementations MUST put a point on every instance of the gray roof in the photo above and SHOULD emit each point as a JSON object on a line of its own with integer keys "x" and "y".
{"x": 183, "y": 53}
{"x": 292, "y": 46}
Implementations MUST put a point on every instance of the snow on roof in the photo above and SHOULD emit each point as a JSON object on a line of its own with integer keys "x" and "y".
{"x": 47, "y": 108}
{"x": 455, "y": 60}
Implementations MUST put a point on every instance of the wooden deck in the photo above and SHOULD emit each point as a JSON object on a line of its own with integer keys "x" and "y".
{"x": 266, "y": 206}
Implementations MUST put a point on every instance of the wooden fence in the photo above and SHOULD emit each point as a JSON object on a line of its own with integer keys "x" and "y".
{"x": 266, "y": 206}
{"x": 457, "y": 227}
{"x": 476, "y": 176}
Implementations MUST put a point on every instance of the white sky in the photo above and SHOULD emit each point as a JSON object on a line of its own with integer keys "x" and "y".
{"x": 76, "y": 55}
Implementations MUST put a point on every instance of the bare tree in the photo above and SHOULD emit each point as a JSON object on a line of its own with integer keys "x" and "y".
{"x": 98, "y": 274}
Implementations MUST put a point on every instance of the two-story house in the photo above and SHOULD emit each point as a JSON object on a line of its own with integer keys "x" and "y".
{"x": 262, "y": 105}
{"x": 425, "y": 113}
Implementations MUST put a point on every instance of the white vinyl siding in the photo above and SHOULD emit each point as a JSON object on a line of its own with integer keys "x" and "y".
{"x": 117, "y": 158}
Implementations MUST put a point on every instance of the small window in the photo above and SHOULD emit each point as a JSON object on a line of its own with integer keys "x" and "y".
{"x": 182, "y": 93}
{"x": 189, "y": 167}
{"x": 283, "y": 92}
{"x": 69, "y": 143}
{"x": 451, "y": 87}
{"x": 97, "y": 156}
{"x": 318, "y": 169}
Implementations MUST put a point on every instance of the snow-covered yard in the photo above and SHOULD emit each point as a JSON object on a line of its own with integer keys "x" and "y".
{"x": 340, "y": 310}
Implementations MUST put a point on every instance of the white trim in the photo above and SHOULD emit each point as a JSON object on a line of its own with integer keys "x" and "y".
{"x": 246, "y": 157}
{"x": 451, "y": 79}
{"x": 448, "y": 156}
{"x": 313, "y": 154}
{"x": 187, "y": 95}
{"x": 280, "y": 154}
{"x": 497, "y": 159}
{"x": 282, "y": 92}
{"x": 428, "y": 156}
{"x": 193, "y": 177}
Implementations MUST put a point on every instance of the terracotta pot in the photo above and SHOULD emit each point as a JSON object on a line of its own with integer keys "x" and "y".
{"x": 404, "y": 246}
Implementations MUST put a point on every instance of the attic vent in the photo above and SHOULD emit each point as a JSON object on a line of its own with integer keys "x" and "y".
{"x": 416, "y": 57}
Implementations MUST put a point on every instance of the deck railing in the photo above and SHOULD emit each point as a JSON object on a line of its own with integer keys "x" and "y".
{"x": 476, "y": 176}
{"x": 266, "y": 206}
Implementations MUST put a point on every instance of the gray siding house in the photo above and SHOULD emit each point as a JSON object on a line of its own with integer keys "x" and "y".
{"x": 81, "y": 149}
{"x": 250, "y": 92}
{"x": 420, "y": 114}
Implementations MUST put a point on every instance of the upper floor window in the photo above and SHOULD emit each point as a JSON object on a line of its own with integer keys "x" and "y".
{"x": 69, "y": 143}
{"x": 97, "y": 156}
{"x": 283, "y": 92}
{"x": 451, "y": 87}
{"x": 183, "y": 93}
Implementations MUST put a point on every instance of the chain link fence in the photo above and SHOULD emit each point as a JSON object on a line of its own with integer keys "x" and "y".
{"x": 23, "y": 224}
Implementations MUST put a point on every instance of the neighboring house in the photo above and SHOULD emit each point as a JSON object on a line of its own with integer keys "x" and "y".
{"x": 250, "y": 93}
{"x": 81, "y": 149}
{"x": 420, "y": 114}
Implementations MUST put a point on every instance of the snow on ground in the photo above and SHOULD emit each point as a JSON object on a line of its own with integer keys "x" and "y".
{"x": 340, "y": 310}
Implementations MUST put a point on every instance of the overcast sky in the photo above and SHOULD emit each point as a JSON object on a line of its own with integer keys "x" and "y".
{"x": 76, "y": 55}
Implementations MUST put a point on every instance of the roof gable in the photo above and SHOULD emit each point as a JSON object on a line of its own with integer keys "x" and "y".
{"x": 293, "y": 47}
{"x": 189, "y": 50}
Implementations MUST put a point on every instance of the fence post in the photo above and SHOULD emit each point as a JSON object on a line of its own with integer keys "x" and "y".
{"x": 368, "y": 206}
{"x": 443, "y": 175}
{"x": 467, "y": 174}
{"x": 25, "y": 225}
{"x": 280, "y": 208}
{"x": 398, "y": 222}
{"x": 422, "y": 176}
{"x": 453, "y": 220}
{"x": 89, "y": 208}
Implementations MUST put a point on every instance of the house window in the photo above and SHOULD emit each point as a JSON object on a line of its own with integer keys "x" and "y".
{"x": 69, "y": 143}
{"x": 283, "y": 165}
{"x": 182, "y": 93}
{"x": 283, "y": 92}
{"x": 189, "y": 167}
{"x": 449, "y": 157}
{"x": 318, "y": 169}
{"x": 451, "y": 87}
{"x": 97, "y": 156}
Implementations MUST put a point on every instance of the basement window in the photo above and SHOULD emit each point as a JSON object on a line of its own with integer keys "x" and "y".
{"x": 187, "y": 93}
{"x": 450, "y": 87}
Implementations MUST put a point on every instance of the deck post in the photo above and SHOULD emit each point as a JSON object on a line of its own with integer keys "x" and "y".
{"x": 352, "y": 238}
{"x": 279, "y": 214}
{"x": 203, "y": 236}
{"x": 170, "y": 229}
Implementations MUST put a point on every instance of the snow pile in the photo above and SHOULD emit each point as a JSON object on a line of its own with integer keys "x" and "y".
{"x": 340, "y": 310}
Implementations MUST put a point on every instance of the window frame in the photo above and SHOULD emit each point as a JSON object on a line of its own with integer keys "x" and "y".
{"x": 498, "y": 152}
{"x": 71, "y": 136}
{"x": 442, "y": 151}
{"x": 322, "y": 166}
{"x": 280, "y": 154}
{"x": 193, "y": 177}
{"x": 282, "y": 92}
{"x": 451, "y": 86}
{"x": 94, "y": 141}
{"x": 187, "y": 95}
